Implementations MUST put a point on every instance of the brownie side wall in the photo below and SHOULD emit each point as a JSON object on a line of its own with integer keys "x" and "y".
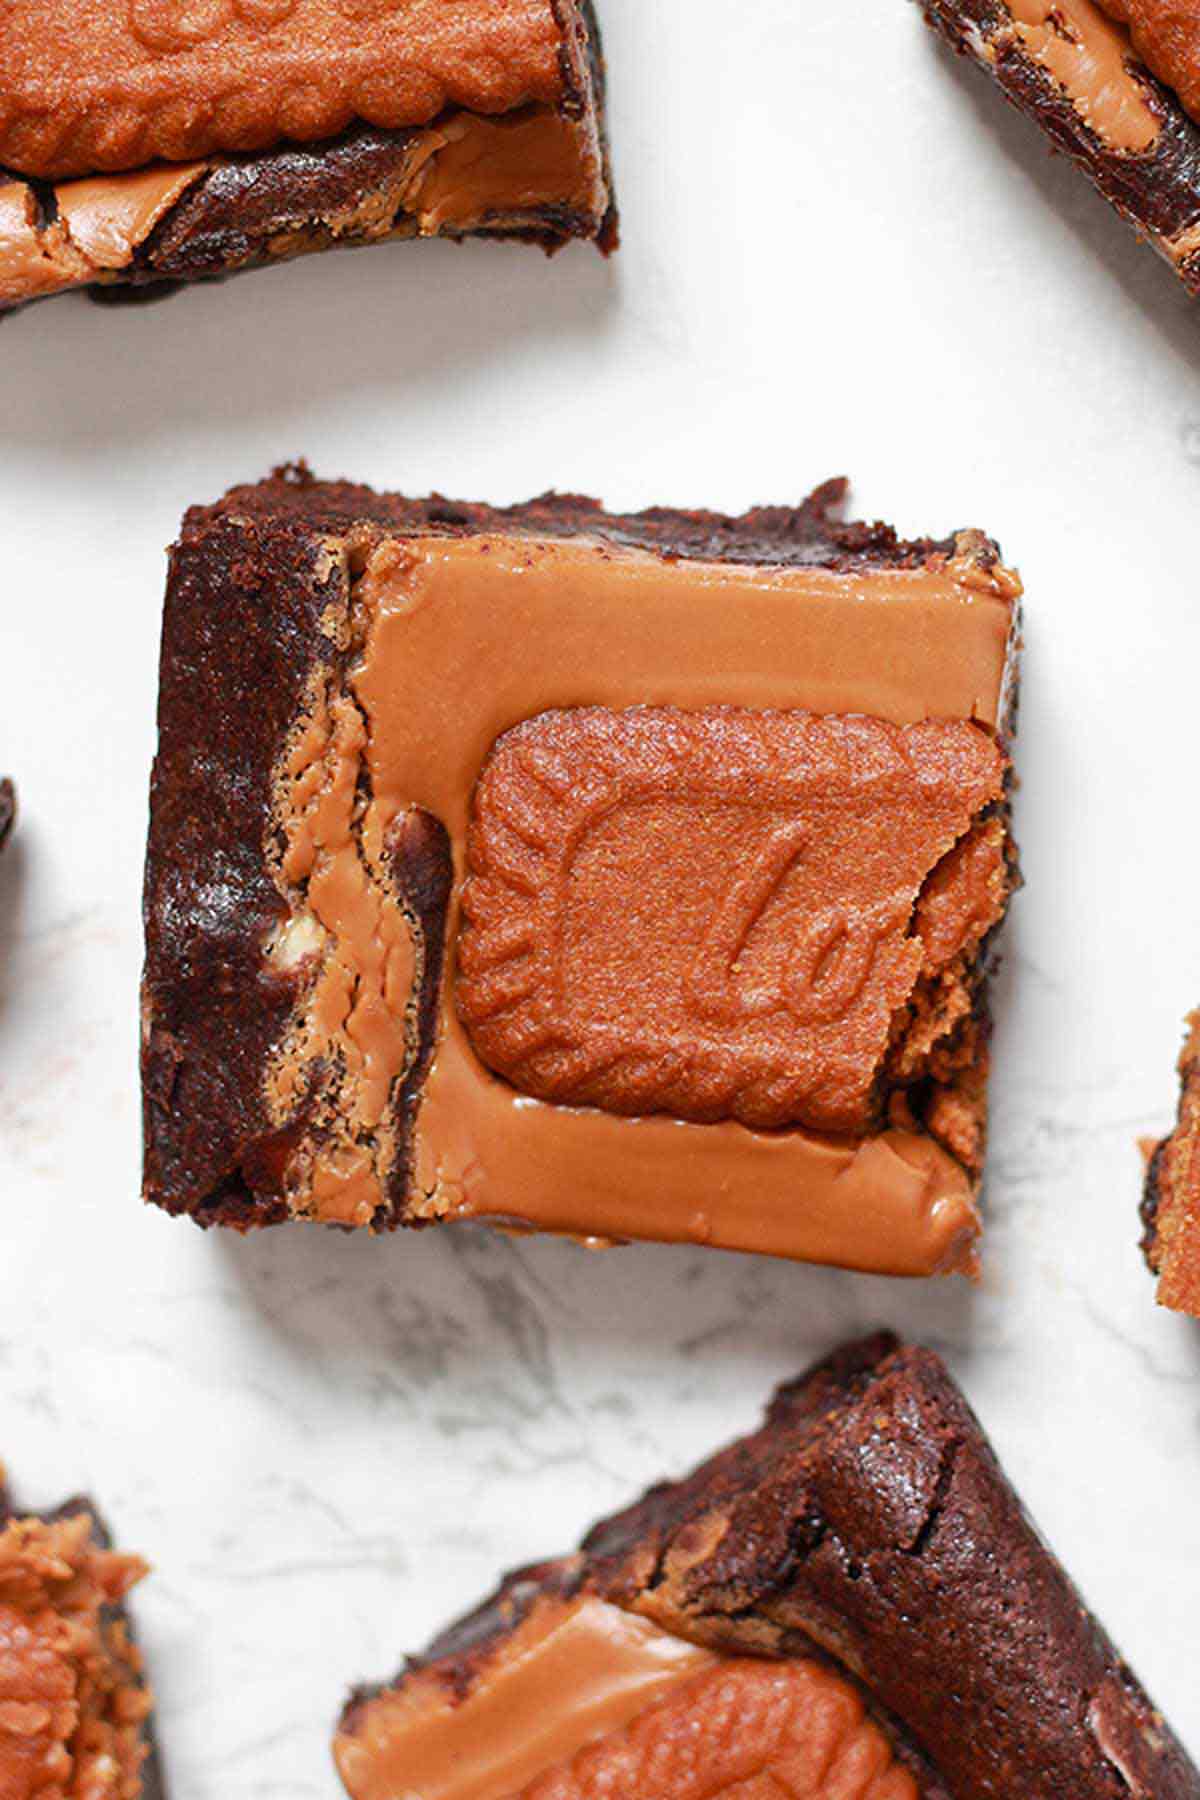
{"x": 241, "y": 641}
{"x": 1158, "y": 191}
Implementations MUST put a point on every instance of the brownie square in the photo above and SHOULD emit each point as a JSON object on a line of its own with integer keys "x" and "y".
{"x": 1122, "y": 107}
{"x": 849, "y": 1604}
{"x": 74, "y": 1705}
{"x": 147, "y": 146}
{"x": 618, "y": 877}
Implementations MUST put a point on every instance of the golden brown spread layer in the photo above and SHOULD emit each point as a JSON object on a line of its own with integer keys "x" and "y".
{"x": 72, "y": 1704}
{"x": 96, "y": 229}
{"x": 1166, "y": 35}
{"x": 117, "y": 84}
{"x": 437, "y": 634}
{"x": 1176, "y": 1254}
{"x": 463, "y": 174}
{"x": 1093, "y": 61}
{"x": 711, "y": 914}
{"x": 583, "y": 1702}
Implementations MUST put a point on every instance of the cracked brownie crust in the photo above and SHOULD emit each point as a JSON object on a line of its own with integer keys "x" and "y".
{"x": 531, "y": 164}
{"x": 74, "y": 1706}
{"x": 1071, "y": 67}
{"x": 336, "y": 902}
{"x": 866, "y": 1531}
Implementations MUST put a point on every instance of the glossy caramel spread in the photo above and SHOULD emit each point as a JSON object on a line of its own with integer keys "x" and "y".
{"x": 462, "y": 174}
{"x": 117, "y": 84}
{"x": 1092, "y": 60}
{"x": 583, "y": 1701}
{"x": 1166, "y": 35}
{"x": 71, "y": 1702}
{"x": 709, "y": 914}
{"x": 440, "y": 670}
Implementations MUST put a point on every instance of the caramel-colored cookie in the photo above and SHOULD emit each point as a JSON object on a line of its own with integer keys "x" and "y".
{"x": 720, "y": 914}
{"x": 118, "y": 83}
{"x": 745, "y": 1730}
{"x": 1166, "y": 35}
{"x": 72, "y": 1701}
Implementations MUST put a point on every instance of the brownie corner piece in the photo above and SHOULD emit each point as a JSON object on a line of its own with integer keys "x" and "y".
{"x": 428, "y": 919}
{"x": 502, "y": 134}
{"x": 1170, "y": 1207}
{"x": 1071, "y": 67}
{"x": 855, "y": 1582}
{"x": 77, "y": 1712}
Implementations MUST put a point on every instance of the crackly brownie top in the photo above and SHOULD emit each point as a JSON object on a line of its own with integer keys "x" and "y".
{"x": 813, "y": 534}
{"x": 72, "y": 1702}
{"x": 1166, "y": 34}
{"x": 117, "y": 84}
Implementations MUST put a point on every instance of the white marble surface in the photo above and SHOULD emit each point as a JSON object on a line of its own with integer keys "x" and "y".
{"x": 841, "y": 254}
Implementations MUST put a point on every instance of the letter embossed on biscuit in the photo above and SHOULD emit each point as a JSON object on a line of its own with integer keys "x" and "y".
{"x": 710, "y": 914}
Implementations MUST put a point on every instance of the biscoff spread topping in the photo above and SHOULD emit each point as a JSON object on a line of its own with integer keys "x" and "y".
{"x": 584, "y": 1701}
{"x": 432, "y": 674}
{"x": 117, "y": 84}
{"x": 1092, "y": 60}
{"x": 1166, "y": 35}
{"x": 72, "y": 1703}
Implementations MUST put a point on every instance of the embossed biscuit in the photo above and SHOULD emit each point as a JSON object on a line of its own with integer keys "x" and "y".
{"x": 1166, "y": 35}
{"x": 119, "y": 83}
{"x": 746, "y": 1730}
{"x": 714, "y": 914}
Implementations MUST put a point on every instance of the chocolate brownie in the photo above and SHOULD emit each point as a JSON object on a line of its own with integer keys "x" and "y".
{"x": 615, "y": 876}
{"x": 849, "y": 1604}
{"x": 8, "y": 811}
{"x": 1171, "y": 1196}
{"x": 74, "y": 1704}
{"x": 1072, "y": 66}
{"x": 155, "y": 144}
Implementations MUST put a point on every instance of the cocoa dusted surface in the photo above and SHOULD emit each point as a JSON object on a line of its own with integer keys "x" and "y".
{"x": 153, "y": 1786}
{"x": 254, "y": 570}
{"x": 1157, "y": 192}
{"x": 869, "y": 1524}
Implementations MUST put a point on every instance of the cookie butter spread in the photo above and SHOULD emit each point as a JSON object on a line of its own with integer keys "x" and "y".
{"x": 1092, "y": 60}
{"x": 465, "y": 174}
{"x": 72, "y": 1703}
{"x": 722, "y": 854}
{"x": 117, "y": 84}
{"x": 584, "y": 1701}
